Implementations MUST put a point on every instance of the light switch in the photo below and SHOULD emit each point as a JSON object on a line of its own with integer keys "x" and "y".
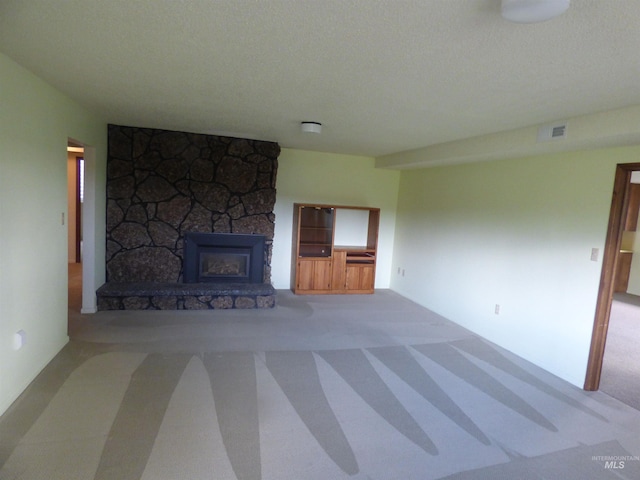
{"x": 19, "y": 339}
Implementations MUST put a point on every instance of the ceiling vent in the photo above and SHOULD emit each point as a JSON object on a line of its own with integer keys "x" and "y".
{"x": 556, "y": 131}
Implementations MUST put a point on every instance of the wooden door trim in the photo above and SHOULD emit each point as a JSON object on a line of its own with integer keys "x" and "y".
{"x": 619, "y": 202}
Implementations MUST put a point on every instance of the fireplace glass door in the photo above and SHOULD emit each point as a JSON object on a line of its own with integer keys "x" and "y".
{"x": 223, "y": 258}
{"x": 221, "y": 264}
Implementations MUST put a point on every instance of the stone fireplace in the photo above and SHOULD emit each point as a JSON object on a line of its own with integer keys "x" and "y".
{"x": 165, "y": 188}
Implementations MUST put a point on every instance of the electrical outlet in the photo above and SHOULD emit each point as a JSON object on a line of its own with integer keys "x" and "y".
{"x": 594, "y": 254}
{"x": 403, "y": 272}
{"x": 497, "y": 309}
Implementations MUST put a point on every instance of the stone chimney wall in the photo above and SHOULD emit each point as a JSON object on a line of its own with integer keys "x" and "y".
{"x": 162, "y": 184}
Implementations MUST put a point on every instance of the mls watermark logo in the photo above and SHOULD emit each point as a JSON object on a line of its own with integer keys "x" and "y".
{"x": 615, "y": 462}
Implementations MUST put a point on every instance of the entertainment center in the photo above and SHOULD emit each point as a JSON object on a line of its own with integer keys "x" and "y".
{"x": 323, "y": 263}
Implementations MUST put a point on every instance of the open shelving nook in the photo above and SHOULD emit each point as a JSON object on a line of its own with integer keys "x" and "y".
{"x": 334, "y": 249}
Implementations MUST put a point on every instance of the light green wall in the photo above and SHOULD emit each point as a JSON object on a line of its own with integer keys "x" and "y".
{"x": 517, "y": 233}
{"x": 311, "y": 177}
{"x": 35, "y": 123}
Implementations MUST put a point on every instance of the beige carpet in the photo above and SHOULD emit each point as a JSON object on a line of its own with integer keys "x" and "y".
{"x": 621, "y": 364}
{"x": 320, "y": 387}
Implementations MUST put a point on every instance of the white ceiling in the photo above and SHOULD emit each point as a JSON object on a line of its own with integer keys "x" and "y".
{"x": 382, "y": 76}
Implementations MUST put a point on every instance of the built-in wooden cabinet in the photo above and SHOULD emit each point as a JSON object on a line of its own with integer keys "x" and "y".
{"x": 319, "y": 264}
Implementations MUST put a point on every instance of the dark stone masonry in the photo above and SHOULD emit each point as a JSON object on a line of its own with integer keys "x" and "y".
{"x": 162, "y": 184}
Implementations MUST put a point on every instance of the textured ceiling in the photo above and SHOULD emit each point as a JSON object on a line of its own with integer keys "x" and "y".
{"x": 383, "y": 76}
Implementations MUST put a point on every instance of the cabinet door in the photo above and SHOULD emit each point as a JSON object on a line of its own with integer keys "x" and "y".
{"x": 322, "y": 275}
{"x": 338, "y": 276}
{"x": 360, "y": 278}
{"x": 316, "y": 231}
{"x": 314, "y": 275}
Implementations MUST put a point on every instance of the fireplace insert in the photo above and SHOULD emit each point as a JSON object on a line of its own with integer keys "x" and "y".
{"x": 223, "y": 258}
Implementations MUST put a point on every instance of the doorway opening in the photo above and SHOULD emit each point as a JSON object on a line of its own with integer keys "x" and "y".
{"x": 616, "y": 265}
{"x": 75, "y": 199}
{"x": 88, "y": 277}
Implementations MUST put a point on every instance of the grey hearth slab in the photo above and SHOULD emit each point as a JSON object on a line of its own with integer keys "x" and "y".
{"x": 184, "y": 296}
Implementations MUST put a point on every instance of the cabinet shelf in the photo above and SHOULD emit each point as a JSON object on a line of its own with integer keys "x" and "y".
{"x": 362, "y": 260}
{"x": 354, "y": 248}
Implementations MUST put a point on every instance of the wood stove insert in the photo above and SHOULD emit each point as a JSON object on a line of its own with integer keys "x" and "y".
{"x": 223, "y": 258}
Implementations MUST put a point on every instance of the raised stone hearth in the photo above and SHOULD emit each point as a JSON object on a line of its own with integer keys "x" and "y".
{"x": 184, "y": 296}
{"x": 163, "y": 184}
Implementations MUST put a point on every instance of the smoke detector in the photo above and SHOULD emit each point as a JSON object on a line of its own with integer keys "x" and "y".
{"x": 533, "y": 11}
{"x": 311, "y": 127}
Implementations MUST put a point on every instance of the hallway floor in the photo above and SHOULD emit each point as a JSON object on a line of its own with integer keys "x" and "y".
{"x": 621, "y": 364}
